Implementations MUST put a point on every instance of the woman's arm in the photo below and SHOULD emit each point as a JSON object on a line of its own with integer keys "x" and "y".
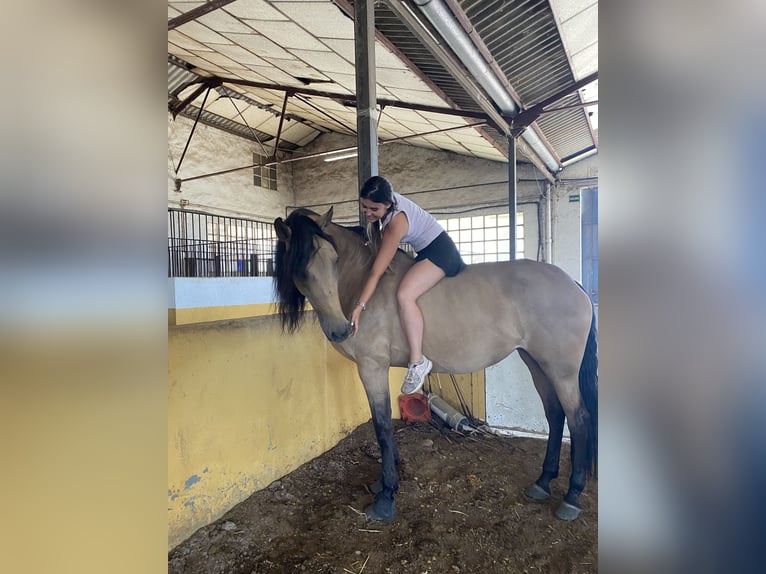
{"x": 392, "y": 236}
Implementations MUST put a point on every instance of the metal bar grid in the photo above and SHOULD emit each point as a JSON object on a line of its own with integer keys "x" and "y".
{"x": 207, "y": 245}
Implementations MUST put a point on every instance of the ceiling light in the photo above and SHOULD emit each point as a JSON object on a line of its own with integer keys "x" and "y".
{"x": 344, "y": 156}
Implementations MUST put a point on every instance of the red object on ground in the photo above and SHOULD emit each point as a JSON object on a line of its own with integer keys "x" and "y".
{"x": 414, "y": 408}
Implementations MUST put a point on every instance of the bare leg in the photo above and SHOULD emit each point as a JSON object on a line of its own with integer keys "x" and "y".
{"x": 419, "y": 279}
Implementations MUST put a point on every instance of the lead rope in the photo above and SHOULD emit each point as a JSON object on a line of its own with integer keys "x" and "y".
{"x": 476, "y": 423}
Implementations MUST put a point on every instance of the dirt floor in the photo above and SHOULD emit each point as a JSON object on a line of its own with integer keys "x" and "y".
{"x": 460, "y": 509}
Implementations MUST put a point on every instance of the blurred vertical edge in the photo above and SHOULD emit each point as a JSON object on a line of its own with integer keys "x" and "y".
{"x": 682, "y": 132}
{"x": 82, "y": 312}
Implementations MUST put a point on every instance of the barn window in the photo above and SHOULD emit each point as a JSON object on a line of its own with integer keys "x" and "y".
{"x": 264, "y": 175}
{"x": 484, "y": 238}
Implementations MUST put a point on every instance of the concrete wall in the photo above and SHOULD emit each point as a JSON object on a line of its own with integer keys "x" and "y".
{"x": 440, "y": 182}
{"x": 212, "y": 150}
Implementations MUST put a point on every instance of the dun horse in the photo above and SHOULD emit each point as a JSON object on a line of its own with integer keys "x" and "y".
{"x": 472, "y": 321}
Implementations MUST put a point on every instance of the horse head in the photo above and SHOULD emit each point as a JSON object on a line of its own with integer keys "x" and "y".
{"x": 306, "y": 268}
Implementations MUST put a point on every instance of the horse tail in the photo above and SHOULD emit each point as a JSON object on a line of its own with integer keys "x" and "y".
{"x": 589, "y": 393}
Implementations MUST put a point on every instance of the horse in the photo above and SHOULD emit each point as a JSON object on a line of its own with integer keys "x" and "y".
{"x": 472, "y": 321}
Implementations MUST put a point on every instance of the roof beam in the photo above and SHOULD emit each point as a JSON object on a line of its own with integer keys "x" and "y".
{"x": 351, "y": 99}
{"x": 530, "y": 115}
{"x": 195, "y": 13}
{"x": 207, "y": 84}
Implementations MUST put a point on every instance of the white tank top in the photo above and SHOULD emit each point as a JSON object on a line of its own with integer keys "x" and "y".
{"x": 423, "y": 227}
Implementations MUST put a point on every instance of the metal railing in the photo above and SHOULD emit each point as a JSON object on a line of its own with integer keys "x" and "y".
{"x": 206, "y": 245}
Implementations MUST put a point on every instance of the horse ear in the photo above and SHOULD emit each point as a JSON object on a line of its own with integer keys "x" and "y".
{"x": 283, "y": 231}
{"x": 326, "y": 218}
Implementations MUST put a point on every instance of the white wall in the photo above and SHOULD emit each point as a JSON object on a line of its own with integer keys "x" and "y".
{"x": 441, "y": 182}
{"x": 191, "y": 292}
{"x": 566, "y": 249}
{"x": 212, "y": 150}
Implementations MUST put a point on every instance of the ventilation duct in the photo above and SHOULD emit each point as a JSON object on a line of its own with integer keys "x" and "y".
{"x": 461, "y": 44}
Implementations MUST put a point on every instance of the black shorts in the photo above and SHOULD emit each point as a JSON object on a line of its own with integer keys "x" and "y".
{"x": 443, "y": 253}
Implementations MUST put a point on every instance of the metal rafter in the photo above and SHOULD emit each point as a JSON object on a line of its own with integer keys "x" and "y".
{"x": 206, "y": 84}
{"x": 281, "y": 122}
{"x": 274, "y": 161}
{"x": 350, "y": 98}
{"x": 530, "y": 115}
{"x": 191, "y": 133}
{"x": 195, "y": 13}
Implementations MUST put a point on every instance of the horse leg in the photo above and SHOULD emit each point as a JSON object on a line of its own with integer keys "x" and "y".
{"x": 579, "y": 422}
{"x": 540, "y": 490}
{"x": 582, "y": 418}
{"x": 377, "y": 486}
{"x": 375, "y": 379}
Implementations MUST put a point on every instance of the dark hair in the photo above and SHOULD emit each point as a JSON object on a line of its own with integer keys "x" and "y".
{"x": 378, "y": 189}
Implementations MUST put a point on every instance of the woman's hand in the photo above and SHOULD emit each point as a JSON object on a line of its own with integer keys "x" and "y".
{"x": 392, "y": 236}
{"x": 355, "y": 314}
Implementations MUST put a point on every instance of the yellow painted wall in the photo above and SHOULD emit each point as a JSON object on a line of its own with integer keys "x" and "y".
{"x": 248, "y": 404}
{"x": 471, "y": 385}
{"x": 220, "y": 313}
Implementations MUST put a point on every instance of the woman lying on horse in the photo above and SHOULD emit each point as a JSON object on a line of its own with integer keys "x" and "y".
{"x": 403, "y": 221}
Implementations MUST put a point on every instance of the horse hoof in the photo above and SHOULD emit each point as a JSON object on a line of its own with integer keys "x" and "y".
{"x": 537, "y": 492}
{"x": 567, "y": 512}
{"x": 376, "y": 487}
{"x": 381, "y": 510}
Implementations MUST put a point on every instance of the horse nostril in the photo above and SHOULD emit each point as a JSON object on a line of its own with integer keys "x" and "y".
{"x": 341, "y": 335}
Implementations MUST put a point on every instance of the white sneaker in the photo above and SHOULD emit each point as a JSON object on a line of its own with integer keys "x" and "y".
{"x": 416, "y": 376}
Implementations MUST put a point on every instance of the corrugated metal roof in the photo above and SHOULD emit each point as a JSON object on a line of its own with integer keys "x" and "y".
{"x": 567, "y": 131}
{"x": 524, "y": 40}
{"x": 179, "y": 79}
{"x": 407, "y": 43}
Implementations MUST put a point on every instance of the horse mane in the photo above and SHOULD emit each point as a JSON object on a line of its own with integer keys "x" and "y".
{"x": 292, "y": 262}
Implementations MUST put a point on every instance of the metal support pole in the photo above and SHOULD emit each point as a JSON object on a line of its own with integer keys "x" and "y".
{"x": 548, "y": 224}
{"x": 512, "y": 194}
{"x": 366, "y": 124}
